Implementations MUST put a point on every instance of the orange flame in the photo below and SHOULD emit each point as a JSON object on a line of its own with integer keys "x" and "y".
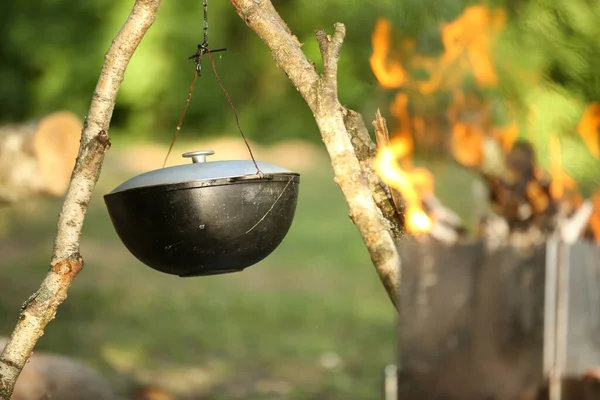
{"x": 399, "y": 109}
{"x": 557, "y": 186}
{"x": 595, "y": 217}
{"x": 389, "y": 73}
{"x": 467, "y": 46}
{"x": 472, "y": 34}
{"x": 561, "y": 181}
{"x": 412, "y": 185}
{"x": 468, "y": 42}
{"x": 467, "y": 144}
{"x": 507, "y": 136}
{"x": 589, "y": 128}
{"x": 468, "y": 50}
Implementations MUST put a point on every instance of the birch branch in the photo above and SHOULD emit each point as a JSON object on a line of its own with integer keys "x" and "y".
{"x": 66, "y": 262}
{"x": 343, "y": 131}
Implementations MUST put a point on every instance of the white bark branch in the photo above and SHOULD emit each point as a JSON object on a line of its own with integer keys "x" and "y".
{"x": 343, "y": 132}
{"x": 66, "y": 262}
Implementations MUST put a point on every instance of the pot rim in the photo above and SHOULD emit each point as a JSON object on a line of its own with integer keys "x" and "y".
{"x": 193, "y": 184}
{"x": 201, "y": 170}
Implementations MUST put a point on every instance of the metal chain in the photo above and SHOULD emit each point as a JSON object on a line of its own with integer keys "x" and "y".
{"x": 203, "y": 48}
{"x": 205, "y": 25}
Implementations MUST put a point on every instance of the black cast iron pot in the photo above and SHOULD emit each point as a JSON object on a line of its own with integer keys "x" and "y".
{"x": 204, "y": 218}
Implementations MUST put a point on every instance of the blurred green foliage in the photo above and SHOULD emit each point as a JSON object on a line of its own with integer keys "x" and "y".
{"x": 53, "y": 50}
{"x": 316, "y": 294}
{"x": 556, "y": 41}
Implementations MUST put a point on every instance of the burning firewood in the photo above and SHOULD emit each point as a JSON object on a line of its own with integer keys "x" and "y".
{"x": 37, "y": 158}
{"x": 446, "y": 226}
{"x": 518, "y": 194}
{"x": 412, "y": 189}
{"x": 382, "y": 139}
{"x": 529, "y": 204}
{"x": 510, "y": 314}
{"x": 533, "y": 204}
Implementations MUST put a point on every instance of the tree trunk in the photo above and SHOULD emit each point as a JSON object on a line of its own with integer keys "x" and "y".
{"x": 37, "y": 158}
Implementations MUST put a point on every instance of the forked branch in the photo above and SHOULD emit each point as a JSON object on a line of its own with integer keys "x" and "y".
{"x": 343, "y": 131}
{"x": 66, "y": 262}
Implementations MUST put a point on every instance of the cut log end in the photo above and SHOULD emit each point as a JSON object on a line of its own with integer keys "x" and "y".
{"x": 37, "y": 158}
{"x": 56, "y": 145}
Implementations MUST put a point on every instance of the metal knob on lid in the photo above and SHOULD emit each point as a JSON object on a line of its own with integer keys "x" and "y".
{"x": 198, "y": 156}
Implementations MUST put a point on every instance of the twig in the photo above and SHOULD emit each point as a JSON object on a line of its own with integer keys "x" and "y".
{"x": 382, "y": 138}
{"x": 436, "y": 209}
{"x": 66, "y": 262}
{"x": 343, "y": 132}
{"x": 571, "y": 229}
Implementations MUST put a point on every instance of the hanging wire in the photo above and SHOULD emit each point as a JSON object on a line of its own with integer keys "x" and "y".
{"x": 187, "y": 103}
{"x": 197, "y": 58}
{"x": 237, "y": 120}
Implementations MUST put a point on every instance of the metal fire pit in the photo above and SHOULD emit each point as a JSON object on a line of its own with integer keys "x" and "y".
{"x": 572, "y": 318}
{"x": 481, "y": 325}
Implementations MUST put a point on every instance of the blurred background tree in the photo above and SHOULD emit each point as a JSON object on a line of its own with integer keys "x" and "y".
{"x": 52, "y": 50}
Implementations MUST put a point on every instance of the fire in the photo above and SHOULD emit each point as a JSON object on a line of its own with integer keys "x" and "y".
{"x": 507, "y": 136}
{"x": 467, "y": 144}
{"x": 390, "y": 74}
{"x": 399, "y": 109}
{"x": 471, "y": 35}
{"x": 465, "y": 39}
{"x": 412, "y": 185}
{"x": 589, "y": 128}
{"x": 564, "y": 188}
{"x": 467, "y": 52}
{"x": 467, "y": 47}
{"x": 562, "y": 183}
{"x": 595, "y": 217}
{"x": 539, "y": 201}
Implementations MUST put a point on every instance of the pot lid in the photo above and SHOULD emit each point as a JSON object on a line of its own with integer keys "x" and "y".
{"x": 199, "y": 170}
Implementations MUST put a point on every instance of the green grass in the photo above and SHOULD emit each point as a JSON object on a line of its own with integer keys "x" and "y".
{"x": 317, "y": 293}
{"x": 221, "y": 337}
